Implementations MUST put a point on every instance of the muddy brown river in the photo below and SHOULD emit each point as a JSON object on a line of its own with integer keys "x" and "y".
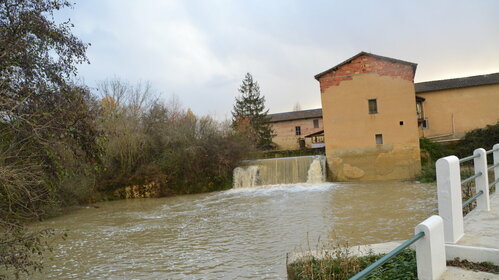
{"x": 234, "y": 234}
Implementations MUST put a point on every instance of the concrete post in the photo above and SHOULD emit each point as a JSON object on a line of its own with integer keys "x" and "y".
{"x": 430, "y": 250}
{"x": 450, "y": 207}
{"x": 482, "y": 182}
{"x": 496, "y": 160}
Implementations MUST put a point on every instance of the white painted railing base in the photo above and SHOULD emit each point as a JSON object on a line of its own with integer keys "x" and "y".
{"x": 449, "y": 198}
{"x": 482, "y": 182}
{"x": 430, "y": 250}
{"x": 472, "y": 253}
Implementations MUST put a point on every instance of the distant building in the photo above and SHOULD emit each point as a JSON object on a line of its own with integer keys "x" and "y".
{"x": 449, "y": 108}
{"x": 373, "y": 116}
{"x": 298, "y": 129}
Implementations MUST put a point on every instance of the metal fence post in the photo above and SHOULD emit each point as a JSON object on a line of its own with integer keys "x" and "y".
{"x": 496, "y": 161}
{"x": 450, "y": 198}
{"x": 481, "y": 182}
{"x": 430, "y": 250}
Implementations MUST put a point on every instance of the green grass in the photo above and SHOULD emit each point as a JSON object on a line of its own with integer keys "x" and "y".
{"x": 339, "y": 266}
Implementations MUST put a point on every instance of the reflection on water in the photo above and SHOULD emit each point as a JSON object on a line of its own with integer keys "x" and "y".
{"x": 235, "y": 234}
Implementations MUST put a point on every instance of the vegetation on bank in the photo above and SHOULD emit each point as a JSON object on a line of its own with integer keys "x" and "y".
{"x": 148, "y": 141}
{"x": 47, "y": 126}
{"x": 62, "y": 145}
{"x": 339, "y": 265}
{"x": 431, "y": 151}
{"x": 478, "y": 138}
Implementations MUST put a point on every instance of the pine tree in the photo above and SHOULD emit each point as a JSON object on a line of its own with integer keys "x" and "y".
{"x": 249, "y": 115}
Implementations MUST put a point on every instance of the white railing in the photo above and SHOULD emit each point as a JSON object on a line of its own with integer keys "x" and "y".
{"x": 449, "y": 189}
{"x": 430, "y": 251}
{"x": 448, "y": 227}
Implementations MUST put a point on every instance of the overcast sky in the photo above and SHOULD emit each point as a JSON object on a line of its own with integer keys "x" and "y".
{"x": 201, "y": 50}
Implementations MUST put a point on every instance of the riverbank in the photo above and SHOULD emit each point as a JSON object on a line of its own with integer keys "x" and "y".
{"x": 342, "y": 263}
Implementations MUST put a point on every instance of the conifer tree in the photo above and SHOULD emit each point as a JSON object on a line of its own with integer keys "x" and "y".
{"x": 249, "y": 115}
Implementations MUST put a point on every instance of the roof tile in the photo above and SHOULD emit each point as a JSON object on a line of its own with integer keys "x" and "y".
{"x": 296, "y": 115}
{"x": 479, "y": 80}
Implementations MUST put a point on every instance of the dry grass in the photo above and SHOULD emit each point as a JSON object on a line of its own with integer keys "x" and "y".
{"x": 337, "y": 261}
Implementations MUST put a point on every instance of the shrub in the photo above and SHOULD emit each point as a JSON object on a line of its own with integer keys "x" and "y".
{"x": 339, "y": 265}
{"x": 435, "y": 150}
{"x": 147, "y": 140}
{"x": 432, "y": 151}
{"x": 479, "y": 138}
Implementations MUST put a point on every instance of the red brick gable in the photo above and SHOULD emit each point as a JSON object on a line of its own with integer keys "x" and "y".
{"x": 363, "y": 64}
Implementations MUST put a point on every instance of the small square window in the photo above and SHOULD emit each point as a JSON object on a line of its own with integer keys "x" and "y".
{"x": 373, "y": 106}
{"x": 298, "y": 130}
{"x": 401, "y": 122}
{"x": 316, "y": 123}
{"x": 379, "y": 139}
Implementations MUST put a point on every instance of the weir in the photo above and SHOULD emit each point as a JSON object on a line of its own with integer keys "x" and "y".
{"x": 290, "y": 170}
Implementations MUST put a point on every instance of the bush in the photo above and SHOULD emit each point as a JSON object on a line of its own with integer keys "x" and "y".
{"x": 149, "y": 141}
{"x": 435, "y": 150}
{"x": 479, "y": 138}
{"x": 338, "y": 266}
{"x": 428, "y": 173}
{"x": 431, "y": 151}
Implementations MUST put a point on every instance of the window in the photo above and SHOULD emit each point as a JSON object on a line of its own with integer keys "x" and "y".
{"x": 419, "y": 110}
{"x": 298, "y": 130}
{"x": 301, "y": 142}
{"x": 425, "y": 124}
{"x": 379, "y": 139}
{"x": 401, "y": 122}
{"x": 373, "y": 106}
{"x": 316, "y": 123}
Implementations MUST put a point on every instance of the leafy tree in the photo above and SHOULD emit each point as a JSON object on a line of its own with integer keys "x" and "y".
{"x": 148, "y": 141}
{"x": 47, "y": 123}
{"x": 249, "y": 116}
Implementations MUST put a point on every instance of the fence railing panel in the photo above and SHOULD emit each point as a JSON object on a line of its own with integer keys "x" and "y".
{"x": 449, "y": 188}
{"x": 434, "y": 232}
{"x": 430, "y": 251}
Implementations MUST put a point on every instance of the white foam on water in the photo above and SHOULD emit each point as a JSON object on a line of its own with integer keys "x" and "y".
{"x": 267, "y": 189}
{"x": 245, "y": 177}
{"x": 316, "y": 172}
{"x": 276, "y": 171}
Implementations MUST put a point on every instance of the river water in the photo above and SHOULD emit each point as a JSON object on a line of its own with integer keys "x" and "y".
{"x": 234, "y": 234}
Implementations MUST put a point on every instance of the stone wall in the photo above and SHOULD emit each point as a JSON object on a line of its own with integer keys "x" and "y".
{"x": 152, "y": 189}
{"x": 383, "y": 162}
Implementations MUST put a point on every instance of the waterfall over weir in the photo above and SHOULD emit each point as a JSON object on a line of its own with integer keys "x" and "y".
{"x": 290, "y": 170}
